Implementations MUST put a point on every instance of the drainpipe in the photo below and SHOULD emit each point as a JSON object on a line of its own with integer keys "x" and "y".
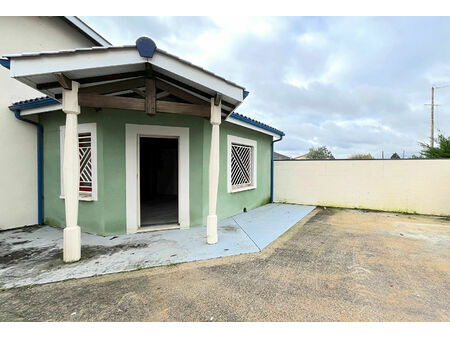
{"x": 271, "y": 171}
{"x": 39, "y": 162}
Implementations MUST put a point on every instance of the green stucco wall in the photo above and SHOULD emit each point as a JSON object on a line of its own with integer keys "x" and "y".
{"x": 229, "y": 204}
{"x": 107, "y": 215}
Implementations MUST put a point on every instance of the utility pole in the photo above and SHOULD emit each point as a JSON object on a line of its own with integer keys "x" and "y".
{"x": 432, "y": 112}
{"x": 432, "y": 117}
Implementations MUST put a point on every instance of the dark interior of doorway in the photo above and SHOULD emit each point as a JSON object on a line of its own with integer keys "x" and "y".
{"x": 158, "y": 181}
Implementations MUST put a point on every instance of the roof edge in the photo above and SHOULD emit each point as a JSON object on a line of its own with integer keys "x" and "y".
{"x": 255, "y": 123}
{"x": 33, "y": 103}
{"x": 115, "y": 48}
{"x": 85, "y": 29}
{"x": 5, "y": 63}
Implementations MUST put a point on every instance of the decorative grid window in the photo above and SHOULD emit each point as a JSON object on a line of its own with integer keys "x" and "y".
{"x": 84, "y": 148}
{"x": 87, "y": 151}
{"x": 241, "y": 164}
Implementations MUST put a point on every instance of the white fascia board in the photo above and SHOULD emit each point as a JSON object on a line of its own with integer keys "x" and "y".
{"x": 41, "y": 110}
{"x": 28, "y": 66}
{"x": 250, "y": 126}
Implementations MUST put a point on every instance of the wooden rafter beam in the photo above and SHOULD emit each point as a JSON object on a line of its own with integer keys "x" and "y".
{"x": 101, "y": 101}
{"x": 149, "y": 71}
{"x": 192, "y": 89}
{"x": 118, "y": 102}
{"x": 162, "y": 94}
{"x": 183, "y": 108}
{"x": 182, "y": 85}
{"x": 159, "y": 76}
{"x": 158, "y": 95}
{"x": 139, "y": 92}
{"x": 175, "y": 91}
{"x": 114, "y": 87}
{"x": 92, "y": 79}
{"x": 64, "y": 81}
{"x": 150, "y": 97}
{"x": 150, "y": 90}
{"x": 217, "y": 99}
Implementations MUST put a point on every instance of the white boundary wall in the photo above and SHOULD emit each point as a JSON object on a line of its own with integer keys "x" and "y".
{"x": 414, "y": 186}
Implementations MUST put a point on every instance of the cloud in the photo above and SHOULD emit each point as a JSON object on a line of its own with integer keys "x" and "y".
{"x": 354, "y": 84}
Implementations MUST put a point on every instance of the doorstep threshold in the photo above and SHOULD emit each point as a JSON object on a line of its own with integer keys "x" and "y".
{"x": 149, "y": 228}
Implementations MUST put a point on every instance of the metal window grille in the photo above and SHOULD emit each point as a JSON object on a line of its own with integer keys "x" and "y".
{"x": 241, "y": 165}
{"x": 84, "y": 149}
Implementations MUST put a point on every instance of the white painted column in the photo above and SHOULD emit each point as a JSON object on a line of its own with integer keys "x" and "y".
{"x": 211, "y": 221}
{"x": 71, "y": 175}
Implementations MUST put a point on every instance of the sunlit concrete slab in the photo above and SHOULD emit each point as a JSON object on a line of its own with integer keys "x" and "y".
{"x": 265, "y": 224}
{"x": 33, "y": 255}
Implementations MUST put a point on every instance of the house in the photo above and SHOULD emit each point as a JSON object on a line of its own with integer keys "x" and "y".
{"x": 300, "y": 157}
{"x": 136, "y": 139}
{"x": 18, "y": 173}
{"x": 278, "y": 156}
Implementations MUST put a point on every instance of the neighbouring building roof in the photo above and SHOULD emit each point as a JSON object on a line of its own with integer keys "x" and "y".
{"x": 46, "y": 101}
{"x": 86, "y": 30}
{"x": 80, "y": 26}
{"x": 300, "y": 157}
{"x": 278, "y": 156}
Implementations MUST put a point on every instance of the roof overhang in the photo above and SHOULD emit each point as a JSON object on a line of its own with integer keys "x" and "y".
{"x": 122, "y": 72}
{"x": 249, "y": 123}
{"x": 101, "y": 64}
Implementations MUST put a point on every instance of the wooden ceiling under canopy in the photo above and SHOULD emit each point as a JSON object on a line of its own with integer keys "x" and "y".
{"x": 145, "y": 91}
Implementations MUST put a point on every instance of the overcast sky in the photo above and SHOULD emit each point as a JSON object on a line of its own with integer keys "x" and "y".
{"x": 353, "y": 84}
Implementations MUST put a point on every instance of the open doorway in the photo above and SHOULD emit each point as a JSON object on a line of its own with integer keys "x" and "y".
{"x": 158, "y": 181}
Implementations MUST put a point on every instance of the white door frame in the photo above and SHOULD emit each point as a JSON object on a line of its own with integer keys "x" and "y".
{"x": 133, "y": 132}
{"x": 159, "y": 226}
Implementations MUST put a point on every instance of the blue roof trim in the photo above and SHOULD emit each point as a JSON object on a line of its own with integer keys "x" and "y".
{"x": 48, "y": 101}
{"x": 5, "y": 63}
{"x": 246, "y": 92}
{"x": 256, "y": 123}
{"x": 33, "y": 103}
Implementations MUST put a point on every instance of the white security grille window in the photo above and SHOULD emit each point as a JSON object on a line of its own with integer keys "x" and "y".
{"x": 241, "y": 164}
{"x": 87, "y": 150}
{"x": 84, "y": 148}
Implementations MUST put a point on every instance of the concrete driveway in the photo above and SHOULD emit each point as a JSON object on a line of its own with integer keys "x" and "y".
{"x": 334, "y": 265}
{"x": 33, "y": 255}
